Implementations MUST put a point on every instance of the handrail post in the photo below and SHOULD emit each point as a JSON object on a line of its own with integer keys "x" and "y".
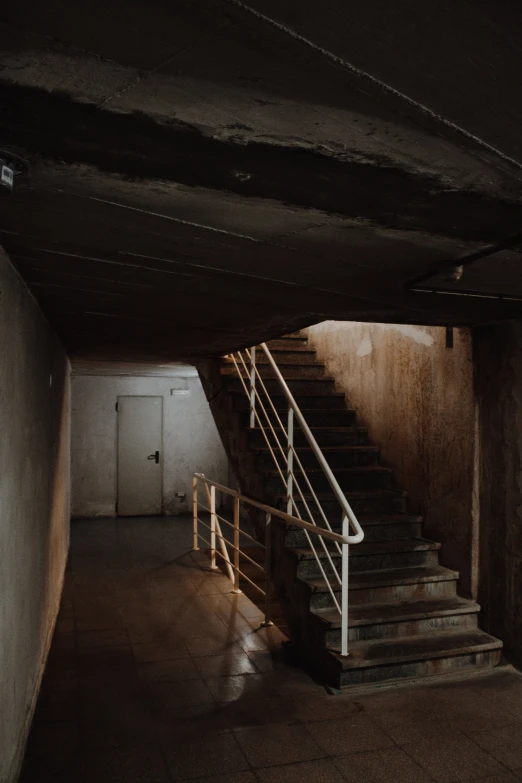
{"x": 213, "y": 521}
{"x": 236, "y": 547}
{"x": 252, "y": 387}
{"x": 195, "y": 540}
{"x": 268, "y": 570}
{"x": 344, "y": 588}
{"x": 290, "y": 463}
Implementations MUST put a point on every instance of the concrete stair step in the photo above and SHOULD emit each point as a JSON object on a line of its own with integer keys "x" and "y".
{"x": 381, "y": 527}
{"x": 299, "y": 386}
{"x": 366, "y": 548}
{"x": 388, "y": 586}
{"x": 290, "y": 356}
{"x": 349, "y": 479}
{"x": 311, "y": 400}
{"x": 336, "y": 456}
{"x": 313, "y": 410}
{"x": 287, "y": 343}
{"x": 402, "y": 619}
{"x": 369, "y": 556}
{"x": 325, "y": 436}
{"x": 417, "y": 656}
{"x": 292, "y": 371}
{"x": 371, "y": 501}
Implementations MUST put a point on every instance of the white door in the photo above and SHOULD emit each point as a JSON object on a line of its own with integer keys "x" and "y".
{"x": 140, "y": 455}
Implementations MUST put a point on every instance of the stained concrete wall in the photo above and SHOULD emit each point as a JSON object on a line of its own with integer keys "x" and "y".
{"x": 34, "y": 504}
{"x": 498, "y": 384}
{"x": 190, "y": 438}
{"x": 415, "y": 395}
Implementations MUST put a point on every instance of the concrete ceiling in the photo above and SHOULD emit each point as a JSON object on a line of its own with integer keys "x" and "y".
{"x": 202, "y": 174}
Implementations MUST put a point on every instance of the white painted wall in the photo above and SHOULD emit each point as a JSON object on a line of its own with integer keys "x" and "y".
{"x": 34, "y": 504}
{"x": 190, "y": 438}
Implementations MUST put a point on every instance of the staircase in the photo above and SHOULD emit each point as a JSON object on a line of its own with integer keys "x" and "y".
{"x": 405, "y": 617}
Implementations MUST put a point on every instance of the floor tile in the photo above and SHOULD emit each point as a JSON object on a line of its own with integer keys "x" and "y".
{"x": 54, "y": 769}
{"x": 91, "y": 640}
{"x": 195, "y": 721}
{"x": 47, "y": 738}
{"x": 310, "y": 708}
{"x": 272, "y": 745}
{"x": 200, "y": 647}
{"x": 409, "y": 725}
{"x": 353, "y": 734}
{"x": 392, "y": 765}
{"x": 204, "y": 755}
{"x": 246, "y": 713}
{"x": 266, "y": 660}
{"x": 169, "y": 671}
{"x": 240, "y": 686}
{"x": 225, "y": 665}
{"x": 64, "y": 679}
{"x": 153, "y": 634}
{"x": 252, "y": 637}
{"x": 56, "y": 706}
{"x": 161, "y": 650}
{"x": 504, "y": 743}
{"x": 291, "y": 682}
{"x": 451, "y": 759}
{"x": 167, "y": 695}
{"x": 125, "y": 765}
{"x": 211, "y": 627}
{"x": 320, "y": 771}
{"x": 214, "y": 584}
{"x": 99, "y": 621}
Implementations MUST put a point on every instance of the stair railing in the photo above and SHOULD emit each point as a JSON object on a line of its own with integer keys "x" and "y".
{"x": 215, "y": 519}
{"x": 294, "y": 477}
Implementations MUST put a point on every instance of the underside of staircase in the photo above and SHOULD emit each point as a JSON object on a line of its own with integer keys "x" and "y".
{"x": 406, "y": 619}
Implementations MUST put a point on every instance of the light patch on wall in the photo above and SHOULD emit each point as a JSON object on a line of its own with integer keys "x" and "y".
{"x": 414, "y": 332}
{"x": 365, "y": 348}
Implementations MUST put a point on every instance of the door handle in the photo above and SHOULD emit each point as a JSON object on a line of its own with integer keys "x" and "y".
{"x": 154, "y": 456}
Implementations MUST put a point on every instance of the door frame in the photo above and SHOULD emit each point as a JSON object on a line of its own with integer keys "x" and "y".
{"x": 162, "y": 453}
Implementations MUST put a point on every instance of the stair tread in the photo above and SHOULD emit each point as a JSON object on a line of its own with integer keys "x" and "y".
{"x": 351, "y": 449}
{"x": 384, "y": 519}
{"x": 229, "y": 370}
{"x": 376, "y": 614}
{"x": 379, "y": 547}
{"x": 355, "y": 494}
{"x": 370, "y": 520}
{"x": 262, "y": 360}
{"x": 352, "y": 469}
{"x": 278, "y": 349}
{"x": 388, "y": 577}
{"x": 328, "y": 428}
{"x": 415, "y": 648}
{"x": 312, "y": 393}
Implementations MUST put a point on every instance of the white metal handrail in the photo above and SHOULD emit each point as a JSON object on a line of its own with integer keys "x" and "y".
{"x": 294, "y": 476}
{"x": 215, "y": 532}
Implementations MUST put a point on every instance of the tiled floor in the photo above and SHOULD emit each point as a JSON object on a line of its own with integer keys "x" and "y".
{"x": 158, "y": 673}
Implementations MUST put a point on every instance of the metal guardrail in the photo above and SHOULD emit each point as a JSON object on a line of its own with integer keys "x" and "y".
{"x": 214, "y": 527}
{"x": 302, "y": 502}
